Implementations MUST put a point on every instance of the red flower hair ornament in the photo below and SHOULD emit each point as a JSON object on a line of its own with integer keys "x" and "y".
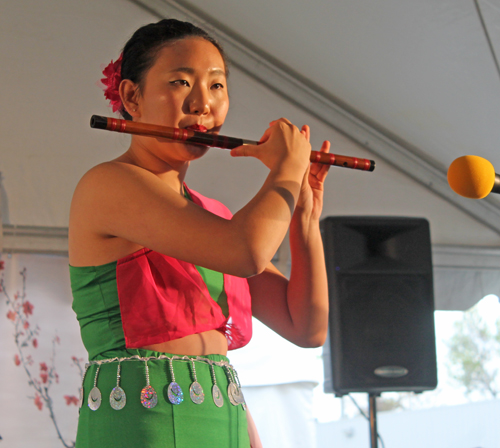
{"x": 111, "y": 83}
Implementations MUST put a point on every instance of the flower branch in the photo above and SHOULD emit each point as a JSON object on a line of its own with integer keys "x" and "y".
{"x": 26, "y": 337}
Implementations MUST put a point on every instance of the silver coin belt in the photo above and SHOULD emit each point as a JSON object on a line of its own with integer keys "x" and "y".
{"x": 149, "y": 397}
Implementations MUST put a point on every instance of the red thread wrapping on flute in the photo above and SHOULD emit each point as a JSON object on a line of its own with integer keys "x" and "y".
{"x": 114, "y": 124}
{"x": 356, "y": 160}
{"x": 176, "y": 134}
{"x": 332, "y": 159}
{"x": 184, "y": 136}
{"x": 123, "y": 125}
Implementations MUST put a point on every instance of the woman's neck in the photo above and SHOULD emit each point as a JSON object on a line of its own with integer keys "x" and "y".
{"x": 170, "y": 172}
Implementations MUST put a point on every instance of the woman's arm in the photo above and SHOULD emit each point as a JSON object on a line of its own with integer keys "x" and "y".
{"x": 253, "y": 434}
{"x": 120, "y": 200}
{"x": 297, "y": 309}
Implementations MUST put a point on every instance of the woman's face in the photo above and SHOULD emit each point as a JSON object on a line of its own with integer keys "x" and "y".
{"x": 186, "y": 88}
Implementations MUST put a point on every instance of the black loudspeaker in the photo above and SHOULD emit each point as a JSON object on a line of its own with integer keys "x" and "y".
{"x": 381, "y": 322}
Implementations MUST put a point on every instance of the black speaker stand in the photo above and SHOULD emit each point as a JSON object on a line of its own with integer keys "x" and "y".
{"x": 372, "y": 398}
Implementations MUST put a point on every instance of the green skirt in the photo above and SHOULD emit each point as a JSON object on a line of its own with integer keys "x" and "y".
{"x": 184, "y": 425}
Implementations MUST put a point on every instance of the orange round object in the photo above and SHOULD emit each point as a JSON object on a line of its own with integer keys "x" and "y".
{"x": 471, "y": 176}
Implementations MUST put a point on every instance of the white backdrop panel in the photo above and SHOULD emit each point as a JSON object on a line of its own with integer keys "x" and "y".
{"x": 48, "y": 290}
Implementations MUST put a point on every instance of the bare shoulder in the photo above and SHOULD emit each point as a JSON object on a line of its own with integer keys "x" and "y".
{"x": 98, "y": 198}
{"x": 112, "y": 189}
{"x": 110, "y": 175}
{"x": 112, "y": 184}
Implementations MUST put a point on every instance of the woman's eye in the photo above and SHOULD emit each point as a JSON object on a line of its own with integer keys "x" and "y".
{"x": 218, "y": 86}
{"x": 180, "y": 82}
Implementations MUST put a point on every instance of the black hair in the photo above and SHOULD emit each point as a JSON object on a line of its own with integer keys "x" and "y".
{"x": 140, "y": 52}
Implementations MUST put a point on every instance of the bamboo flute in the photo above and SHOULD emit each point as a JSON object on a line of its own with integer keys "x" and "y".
{"x": 217, "y": 141}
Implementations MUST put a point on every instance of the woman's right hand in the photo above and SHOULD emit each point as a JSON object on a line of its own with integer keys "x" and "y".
{"x": 281, "y": 143}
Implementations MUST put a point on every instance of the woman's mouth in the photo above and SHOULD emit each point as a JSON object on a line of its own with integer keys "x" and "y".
{"x": 198, "y": 128}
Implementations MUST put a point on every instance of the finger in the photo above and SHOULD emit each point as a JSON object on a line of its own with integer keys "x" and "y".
{"x": 316, "y": 167}
{"x": 322, "y": 173}
{"x": 243, "y": 151}
{"x": 266, "y": 135}
{"x": 271, "y": 128}
{"x": 284, "y": 120}
{"x": 320, "y": 170}
{"x": 316, "y": 181}
{"x": 306, "y": 132}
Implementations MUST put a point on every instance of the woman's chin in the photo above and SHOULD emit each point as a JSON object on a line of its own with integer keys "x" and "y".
{"x": 186, "y": 151}
{"x": 196, "y": 151}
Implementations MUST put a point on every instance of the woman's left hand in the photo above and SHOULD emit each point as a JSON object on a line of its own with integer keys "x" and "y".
{"x": 297, "y": 308}
{"x": 310, "y": 201}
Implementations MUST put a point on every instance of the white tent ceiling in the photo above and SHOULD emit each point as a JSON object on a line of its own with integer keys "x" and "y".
{"x": 410, "y": 84}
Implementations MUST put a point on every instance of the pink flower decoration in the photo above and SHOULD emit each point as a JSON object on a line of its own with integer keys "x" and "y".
{"x": 2, "y": 265}
{"x": 11, "y": 315}
{"x": 35, "y": 343}
{"x": 17, "y": 361}
{"x": 71, "y": 399}
{"x": 26, "y": 325}
{"x": 112, "y": 80}
{"x": 44, "y": 377}
{"x": 38, "y": 402}
{"x": 43, "y": 367}
{"x": 28, "y": 308}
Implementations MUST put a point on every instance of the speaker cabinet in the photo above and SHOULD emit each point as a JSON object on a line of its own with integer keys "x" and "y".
{"x": 381, "y": 322}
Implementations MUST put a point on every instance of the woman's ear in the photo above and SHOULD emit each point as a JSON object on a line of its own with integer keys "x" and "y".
{"x": 129, "y": 93}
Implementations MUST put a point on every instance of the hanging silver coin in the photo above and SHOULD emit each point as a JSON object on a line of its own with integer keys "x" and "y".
{"x": 80, "y": 401}
{"x": 232, "y": 393}
{"x": 94, "y": 399}
{"x": 149, "y": 399}
{"x": 117, "y": 398}
{"x": 196, "y": 393}
{"x": 217, "y": 396}
{"x": 175, "y": 394}
{"x": 238, "y": 395}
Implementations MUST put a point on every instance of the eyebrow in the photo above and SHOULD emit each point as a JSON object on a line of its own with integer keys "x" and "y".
{"x": 190, "y": 71}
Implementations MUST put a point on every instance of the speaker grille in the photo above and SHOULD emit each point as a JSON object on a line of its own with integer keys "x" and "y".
{"x": 381, "y": 303}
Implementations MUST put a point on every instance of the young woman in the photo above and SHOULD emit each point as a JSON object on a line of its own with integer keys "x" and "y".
{"x": 165, "y": 280}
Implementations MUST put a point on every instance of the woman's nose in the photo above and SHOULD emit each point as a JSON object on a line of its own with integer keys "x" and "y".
{"x": 199, "y": 102}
